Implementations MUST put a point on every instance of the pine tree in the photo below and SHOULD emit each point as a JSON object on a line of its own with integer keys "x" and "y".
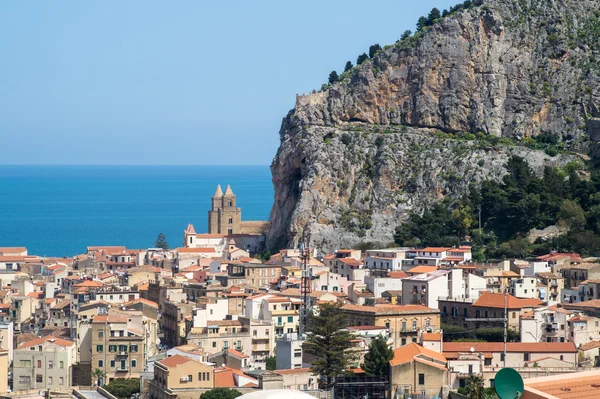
{"x": 333, "y": 77}
{"x": 161, "y": 242}
{"x": 328, "y": 342}
{"x": 421, "y": 23}
{"x": 377, "y": 360}
{"x": 433, "y": 15}
{"x": 373, "y": 50}
{"x": 406, "y": 34}
{"x": 361, "y": 58}
{"x": 348, "y": 66}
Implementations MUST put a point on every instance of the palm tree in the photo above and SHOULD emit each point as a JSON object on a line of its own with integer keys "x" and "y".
{"x": 98, "y": 374}
{"x": 474, "y": 387}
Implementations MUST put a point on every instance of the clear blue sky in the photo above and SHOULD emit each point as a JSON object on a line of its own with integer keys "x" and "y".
{"x": 167, "y": 82}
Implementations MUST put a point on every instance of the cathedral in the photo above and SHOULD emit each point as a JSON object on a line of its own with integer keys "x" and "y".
{"x": 224, "y": 217}
{"x": 225, "y": 223}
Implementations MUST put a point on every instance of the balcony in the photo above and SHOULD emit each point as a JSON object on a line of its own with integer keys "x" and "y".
{"x": 122, "y": 368}
{"x": 122, "y": 353}
{"x": 261, "y": 348}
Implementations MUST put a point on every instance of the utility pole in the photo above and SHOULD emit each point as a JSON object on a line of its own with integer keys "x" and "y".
{"x": 305, "y": 283}
{"x": 505, "y": 324}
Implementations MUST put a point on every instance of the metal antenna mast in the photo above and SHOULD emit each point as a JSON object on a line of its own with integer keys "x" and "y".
{"x": 305, "y": 283}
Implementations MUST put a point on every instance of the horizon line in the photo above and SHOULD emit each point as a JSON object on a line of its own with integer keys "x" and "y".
{"x": 118, "y": 164}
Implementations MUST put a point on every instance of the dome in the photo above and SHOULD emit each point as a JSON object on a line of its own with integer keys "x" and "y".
{"x": 277, "y": 394}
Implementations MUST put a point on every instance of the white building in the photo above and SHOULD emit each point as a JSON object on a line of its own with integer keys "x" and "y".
{"x": 424, "y": 289}
{"x": 525, "y": 287}
{"x": 385, "y": 259}
{"x": 211, "y": 311}
{"x": 547, "y": 324}
{"x": 378, "y": 285}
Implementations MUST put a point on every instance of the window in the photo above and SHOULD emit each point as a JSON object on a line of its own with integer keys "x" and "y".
{"x": 25, "y": 363}
{"x": 134, "y": 348}
{"x": 387, "y": 325}
{"x": 39, "y": 364}
{"x": 100, "y": 334}
{"x": 487, "y": 362}
{"x": 290, "y": 319}
{"x": 414, "y": 326}
{"x": 230, "y": 220}
{"x": 61, "y": 380}
{"x": 50, "y": 364}
{"x": 214, "y": 344}
{"x": 190, "y": 377}
{"x": 100, "y": 363}
{"x": 502, "y": 357}
{"x": 38, "y": 378}
{"x": 112, "y": 364}
{"x": 561, "y": 357}
{"x": 134, "y": 363}
{"x": 24, "y": 379}
{"x": 526, "y": 357}
{"x": 99, "y": 348}
{"x": 421, "y": 379}
{"x": 298, "y": 354}
{"x": 50, "y": 380}
{"x": 403, "y": 341}
{"x": 112, "y": 348}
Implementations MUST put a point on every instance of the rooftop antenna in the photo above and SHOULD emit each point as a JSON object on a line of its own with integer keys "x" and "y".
{"x": 305, "y": 283}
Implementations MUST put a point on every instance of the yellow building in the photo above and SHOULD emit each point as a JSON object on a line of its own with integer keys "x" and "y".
{"x": 403, "y": 322}
{"x": 180, "y": 377}
{"x": 118, "y": 345}
{"x": 415, "y": 370}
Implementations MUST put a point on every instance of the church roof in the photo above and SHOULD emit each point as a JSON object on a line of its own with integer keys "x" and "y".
{"x": 219, "y": 192}
{"x": 229, "y": 192}
{"x": 190, "y": 229}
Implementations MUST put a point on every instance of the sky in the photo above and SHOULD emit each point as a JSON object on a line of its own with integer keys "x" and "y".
{"x": 173, "y": 82}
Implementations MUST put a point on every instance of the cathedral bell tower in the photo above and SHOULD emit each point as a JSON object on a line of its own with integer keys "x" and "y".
{"x": 224, "y": 217}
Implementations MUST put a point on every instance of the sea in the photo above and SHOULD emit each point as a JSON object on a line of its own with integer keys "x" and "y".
{"x": 60, "y": 210}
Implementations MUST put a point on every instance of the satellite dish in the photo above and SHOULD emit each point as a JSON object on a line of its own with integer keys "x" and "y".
{"x": 472, "y": 349}
{"x": 509, "y": 384}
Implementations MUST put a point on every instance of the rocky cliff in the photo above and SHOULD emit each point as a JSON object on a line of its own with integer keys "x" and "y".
{"x": 388, "y": 137}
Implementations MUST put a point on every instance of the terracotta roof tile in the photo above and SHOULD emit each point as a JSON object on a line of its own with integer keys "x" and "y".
{"x": 408, "y": 353}
{"x": 490, "y": 300}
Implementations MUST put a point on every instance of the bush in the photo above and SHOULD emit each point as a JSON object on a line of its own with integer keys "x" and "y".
{"x": 123, "y": 388}
{"x": 346, "y": 138}
{"x": 552, "y": 151}
{"x": 362, "y": 58}
{"x": 221, "y": 393}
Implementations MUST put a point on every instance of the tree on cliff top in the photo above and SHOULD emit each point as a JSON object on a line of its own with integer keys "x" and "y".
{"x": 373, "y": 50}
{"x": 161, "y": 242}
{"x": 333, "y": 77}
{"x": 361, "y": 58}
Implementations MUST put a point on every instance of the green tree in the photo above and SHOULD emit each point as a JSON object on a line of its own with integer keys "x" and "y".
{"x": 362, "y": 58}
{"x": 271, "y": 363}
{"x": 221, "y": 393}
{"x": 406, "y": 34}
{"x": 433, "y": 15}
{"x": 333, "y": 77}
{"x": 123, "y": 388}
{"x": 474, "y": 387}
{"x": 348, "y": 66}
{"x": 571, "y": 216}
{"x": 161, "y": 242}
{"x": 377, "y": 360}
{"x": 329, "y": 342}
{"x": 374, "y": 49}
{"x": 421, "y": 23}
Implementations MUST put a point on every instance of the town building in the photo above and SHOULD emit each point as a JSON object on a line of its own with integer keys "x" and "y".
{"x": 180, "y": 377}
{"x": 420, "y": 372}
{"x": 43, "y": 363}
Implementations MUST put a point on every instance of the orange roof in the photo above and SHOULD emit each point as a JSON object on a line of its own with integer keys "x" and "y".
{"x": 583, "y": 385}
{"x": 143, "y": 287}
{"x": 434, "y": 249}
{"x": 210, "y": 235}
{"x": 590, "y": 345}
{"x": 175, "y": 360}
{"x": 422, "y": 269}
{"x": 51, "y": 339}
{"x": 237, "y": 353}
{"x": 203, "y": 250}
{"x": 37, "y": 295}
{"x": 410, "y": 352}
{"x": 490, "y": 300}
{"x": 350, "y": 261}
{"x": 89, "y": 284}
{"x": 224, "y": 378}
{"x": 539, "y": 347}
{"x": 142, "y": 300}
{"x": 12, "y": 258}
{"x": 397, "y": 274}
{"x": 432, "y": 337}
{"x": 13, "y": 249}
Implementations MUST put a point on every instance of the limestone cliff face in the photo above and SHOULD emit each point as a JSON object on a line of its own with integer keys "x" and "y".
{"x": 356, "y": 157}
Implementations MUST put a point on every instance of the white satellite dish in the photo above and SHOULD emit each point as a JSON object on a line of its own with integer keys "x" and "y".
{"x": 472, "y": 349}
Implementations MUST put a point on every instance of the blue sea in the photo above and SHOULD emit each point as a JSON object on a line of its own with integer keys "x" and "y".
{"x": 60, "y": 210}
